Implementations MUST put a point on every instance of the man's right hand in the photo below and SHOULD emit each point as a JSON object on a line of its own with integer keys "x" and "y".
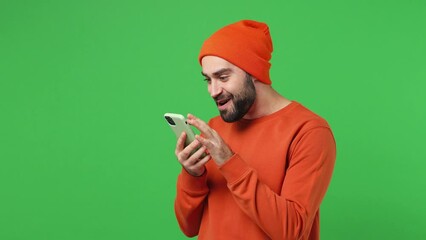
{"x": 193, "y": 163}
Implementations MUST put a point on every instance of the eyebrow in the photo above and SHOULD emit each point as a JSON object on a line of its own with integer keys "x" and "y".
{"x": 218, "y": 72}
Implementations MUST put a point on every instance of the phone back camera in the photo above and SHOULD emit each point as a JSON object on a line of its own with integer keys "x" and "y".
{"x": 170, "y": 120}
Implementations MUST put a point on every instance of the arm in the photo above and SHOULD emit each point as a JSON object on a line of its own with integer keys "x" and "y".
{"x": 189, "y": 203}
{"x": 288, "y": 215}
{"x": 191, "y": 186}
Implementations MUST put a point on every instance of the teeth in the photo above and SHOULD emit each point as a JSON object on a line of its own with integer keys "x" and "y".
{"x": 222, "y": 102}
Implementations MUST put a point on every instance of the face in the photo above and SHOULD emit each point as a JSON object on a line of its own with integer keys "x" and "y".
{"x": 231, "y": 88}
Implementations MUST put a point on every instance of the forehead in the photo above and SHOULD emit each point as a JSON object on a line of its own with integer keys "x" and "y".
{"x": 212, "y": 64}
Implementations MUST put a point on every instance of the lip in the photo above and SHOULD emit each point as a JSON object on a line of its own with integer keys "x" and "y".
{"x": 224, "y": 106}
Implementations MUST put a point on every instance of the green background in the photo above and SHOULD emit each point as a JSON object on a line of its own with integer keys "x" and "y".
{"x": 86, "y": 154}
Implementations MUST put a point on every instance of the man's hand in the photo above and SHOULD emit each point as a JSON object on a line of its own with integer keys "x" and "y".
{"x": 217, "y": 148}
{"x": 193, "y": 162}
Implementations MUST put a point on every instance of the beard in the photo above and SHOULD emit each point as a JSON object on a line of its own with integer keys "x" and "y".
{"x": 242, "y": 101}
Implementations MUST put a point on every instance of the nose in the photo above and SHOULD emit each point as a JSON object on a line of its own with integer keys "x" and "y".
{"x": 214, "y": 88}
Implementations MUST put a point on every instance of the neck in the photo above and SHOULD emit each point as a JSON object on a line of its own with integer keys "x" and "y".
{"x": 267, "y": 101}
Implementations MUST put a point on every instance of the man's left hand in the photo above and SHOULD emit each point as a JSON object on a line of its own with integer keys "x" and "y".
{"x": 217, "y": 148}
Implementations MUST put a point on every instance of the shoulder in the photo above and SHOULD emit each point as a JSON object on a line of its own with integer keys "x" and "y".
{"x": 299, "y": 121}
{"x": 304, "y": 118}
{"x": 310, "y": 130}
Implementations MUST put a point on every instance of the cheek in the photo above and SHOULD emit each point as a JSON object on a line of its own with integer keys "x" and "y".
{"x": 233, "y": 90}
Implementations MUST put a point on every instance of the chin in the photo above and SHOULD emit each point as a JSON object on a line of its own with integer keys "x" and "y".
{"x": 229, "y": 117}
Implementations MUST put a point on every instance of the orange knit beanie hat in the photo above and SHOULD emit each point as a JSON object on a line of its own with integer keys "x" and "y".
{"x": 246, "y": 44}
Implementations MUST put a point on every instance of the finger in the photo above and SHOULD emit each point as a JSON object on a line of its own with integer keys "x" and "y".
{"x": 195, "y": 157}
{"x": 200, "y": 125}
{"x": 185, "y": 153}
{"x": 180, "y": 143}
{"x": 203, "y": 161}
{"x": 204, "y": 141}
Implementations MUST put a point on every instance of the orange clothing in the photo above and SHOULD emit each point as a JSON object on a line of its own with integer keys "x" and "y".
{"x": 271, "y": 188}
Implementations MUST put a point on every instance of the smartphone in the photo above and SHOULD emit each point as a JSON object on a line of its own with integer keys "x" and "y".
{"x": 178, "y": 124}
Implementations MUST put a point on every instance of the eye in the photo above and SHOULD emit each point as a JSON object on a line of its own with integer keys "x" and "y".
{"x": 223, "y": 78}
{"x": 207, "y": 80}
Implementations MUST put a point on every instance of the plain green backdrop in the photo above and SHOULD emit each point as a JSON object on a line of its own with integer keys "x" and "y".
{"x": 86, "y": 154}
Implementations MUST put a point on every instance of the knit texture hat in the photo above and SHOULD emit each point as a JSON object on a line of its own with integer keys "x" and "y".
{"x": 246, "y": 44}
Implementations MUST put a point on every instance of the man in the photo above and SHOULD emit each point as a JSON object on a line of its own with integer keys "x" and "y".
{"x": 269, "y": 160}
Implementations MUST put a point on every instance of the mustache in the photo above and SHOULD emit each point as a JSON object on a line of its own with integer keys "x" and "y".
{"x": 223, "y": 97}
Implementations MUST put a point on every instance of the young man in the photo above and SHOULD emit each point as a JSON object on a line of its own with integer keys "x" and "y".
{"x": 269, "y": 160}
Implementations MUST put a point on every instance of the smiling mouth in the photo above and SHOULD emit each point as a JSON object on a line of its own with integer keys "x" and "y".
{"x": 222, "y": 102}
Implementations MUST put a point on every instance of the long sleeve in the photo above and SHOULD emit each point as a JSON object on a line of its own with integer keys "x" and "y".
{"x": 189, "y": 203}
{"x": 290, "y": 214}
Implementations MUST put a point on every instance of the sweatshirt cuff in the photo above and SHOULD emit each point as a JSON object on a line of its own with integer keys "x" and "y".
{"x": 234, "y": 169}
{"x": 192, "y": 183}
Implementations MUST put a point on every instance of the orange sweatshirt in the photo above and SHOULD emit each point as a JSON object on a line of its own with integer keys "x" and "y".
{"x": 270, "y": 189}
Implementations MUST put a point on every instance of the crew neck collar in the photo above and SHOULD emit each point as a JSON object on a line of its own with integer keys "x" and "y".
{"x": 273, "y": 115}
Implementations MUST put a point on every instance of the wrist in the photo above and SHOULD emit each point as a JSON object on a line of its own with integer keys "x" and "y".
{"x": 225, "y": 158}
{"x": 196, "y": 174}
